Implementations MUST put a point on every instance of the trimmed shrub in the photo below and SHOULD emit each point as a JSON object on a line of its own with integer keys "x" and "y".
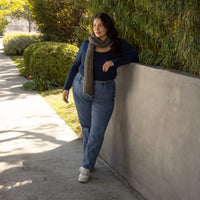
{"x": 50, "y": 64}
{"x": 16, "y": 43}
{"x": 28, "y": 53}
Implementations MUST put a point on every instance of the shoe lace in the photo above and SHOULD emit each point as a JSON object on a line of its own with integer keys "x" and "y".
{"x": 85, "y": 171}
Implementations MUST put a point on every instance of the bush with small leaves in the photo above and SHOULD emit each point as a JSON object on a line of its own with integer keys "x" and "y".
{"x": 16, "y": 43}
{"x": 27, "y": 56}
{"x": 50, "y": 64}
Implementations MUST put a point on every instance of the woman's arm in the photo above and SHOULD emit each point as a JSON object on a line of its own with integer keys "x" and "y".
{"x": 129, "y": 55}
{"x": 75, "y": 67}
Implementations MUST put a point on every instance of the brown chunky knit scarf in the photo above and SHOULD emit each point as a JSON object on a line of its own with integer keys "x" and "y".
{"x": 89, "y": 58}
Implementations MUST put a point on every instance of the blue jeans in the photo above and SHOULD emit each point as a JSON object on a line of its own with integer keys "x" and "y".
{"x": 94, "y": 114}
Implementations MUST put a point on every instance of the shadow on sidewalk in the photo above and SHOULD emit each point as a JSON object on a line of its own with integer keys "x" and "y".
{"x": 49, "y": 174}
{"x": 11, "y": 82}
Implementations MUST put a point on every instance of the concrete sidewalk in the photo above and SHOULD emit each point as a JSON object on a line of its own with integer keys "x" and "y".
{"x": 39, "y": 154}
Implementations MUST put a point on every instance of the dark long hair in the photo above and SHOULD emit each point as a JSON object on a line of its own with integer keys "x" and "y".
{"x": 111, "y": 31}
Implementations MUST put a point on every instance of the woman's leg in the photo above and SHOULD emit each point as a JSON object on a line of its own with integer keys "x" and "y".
{"x": 83, "y": 105}
{"x": 101, "y": 111}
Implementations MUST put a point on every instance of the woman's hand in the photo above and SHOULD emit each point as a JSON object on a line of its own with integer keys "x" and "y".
{"x": 107, "y": 65}
{"x": 65, "y": 95}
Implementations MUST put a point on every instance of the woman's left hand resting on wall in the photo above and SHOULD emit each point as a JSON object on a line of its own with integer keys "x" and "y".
{"x": 107, "y": 65}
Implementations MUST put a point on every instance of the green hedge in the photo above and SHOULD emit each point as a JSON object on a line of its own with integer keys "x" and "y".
{"x": 27, "y": 56}
{"x": 50, "y": 64}
{"x": 166, "y": 33}
{"x": 16, "y": 43}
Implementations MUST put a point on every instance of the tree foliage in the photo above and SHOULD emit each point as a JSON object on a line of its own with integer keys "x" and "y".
{"x": 166, "y": 33}
{"x": 57, "y": 19}
{"x": 6, "y": 8}
{"x": 24, "y": 13}
{"x": 3, "y": 23}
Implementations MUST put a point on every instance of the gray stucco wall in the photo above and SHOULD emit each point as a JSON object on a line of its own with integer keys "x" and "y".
{"x": 153, "y": 137}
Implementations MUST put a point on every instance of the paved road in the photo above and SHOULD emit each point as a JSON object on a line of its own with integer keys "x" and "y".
{"x": 39, "y": 154}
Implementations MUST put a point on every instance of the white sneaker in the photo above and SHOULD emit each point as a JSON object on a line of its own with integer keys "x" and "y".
{"x": 84, "y": 175}
{"x": 80, "y": 169}
{"x": 91, "y": 170}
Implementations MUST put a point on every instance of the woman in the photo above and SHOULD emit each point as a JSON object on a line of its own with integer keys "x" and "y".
{"x": 92, "y": 75}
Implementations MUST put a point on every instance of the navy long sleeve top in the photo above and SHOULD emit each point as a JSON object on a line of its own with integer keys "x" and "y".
{"x": 128, "y": 55}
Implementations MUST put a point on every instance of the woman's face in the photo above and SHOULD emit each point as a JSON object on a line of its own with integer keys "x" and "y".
{"x": 99, "y": 29}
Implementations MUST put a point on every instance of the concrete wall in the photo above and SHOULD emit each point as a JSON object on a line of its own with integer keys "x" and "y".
{"x": 153, "y": 137}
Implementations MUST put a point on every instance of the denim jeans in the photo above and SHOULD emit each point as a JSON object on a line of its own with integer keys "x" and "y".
{"x": 94, "y": 114}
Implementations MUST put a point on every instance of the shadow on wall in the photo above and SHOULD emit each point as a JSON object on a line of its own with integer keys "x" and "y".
{"x": 118, "y": 150}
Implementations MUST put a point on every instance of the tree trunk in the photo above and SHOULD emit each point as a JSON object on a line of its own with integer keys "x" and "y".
{"x": 29, "y": 25}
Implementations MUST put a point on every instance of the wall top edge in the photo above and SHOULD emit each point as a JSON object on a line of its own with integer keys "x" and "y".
{"x": 152, "y": 67}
